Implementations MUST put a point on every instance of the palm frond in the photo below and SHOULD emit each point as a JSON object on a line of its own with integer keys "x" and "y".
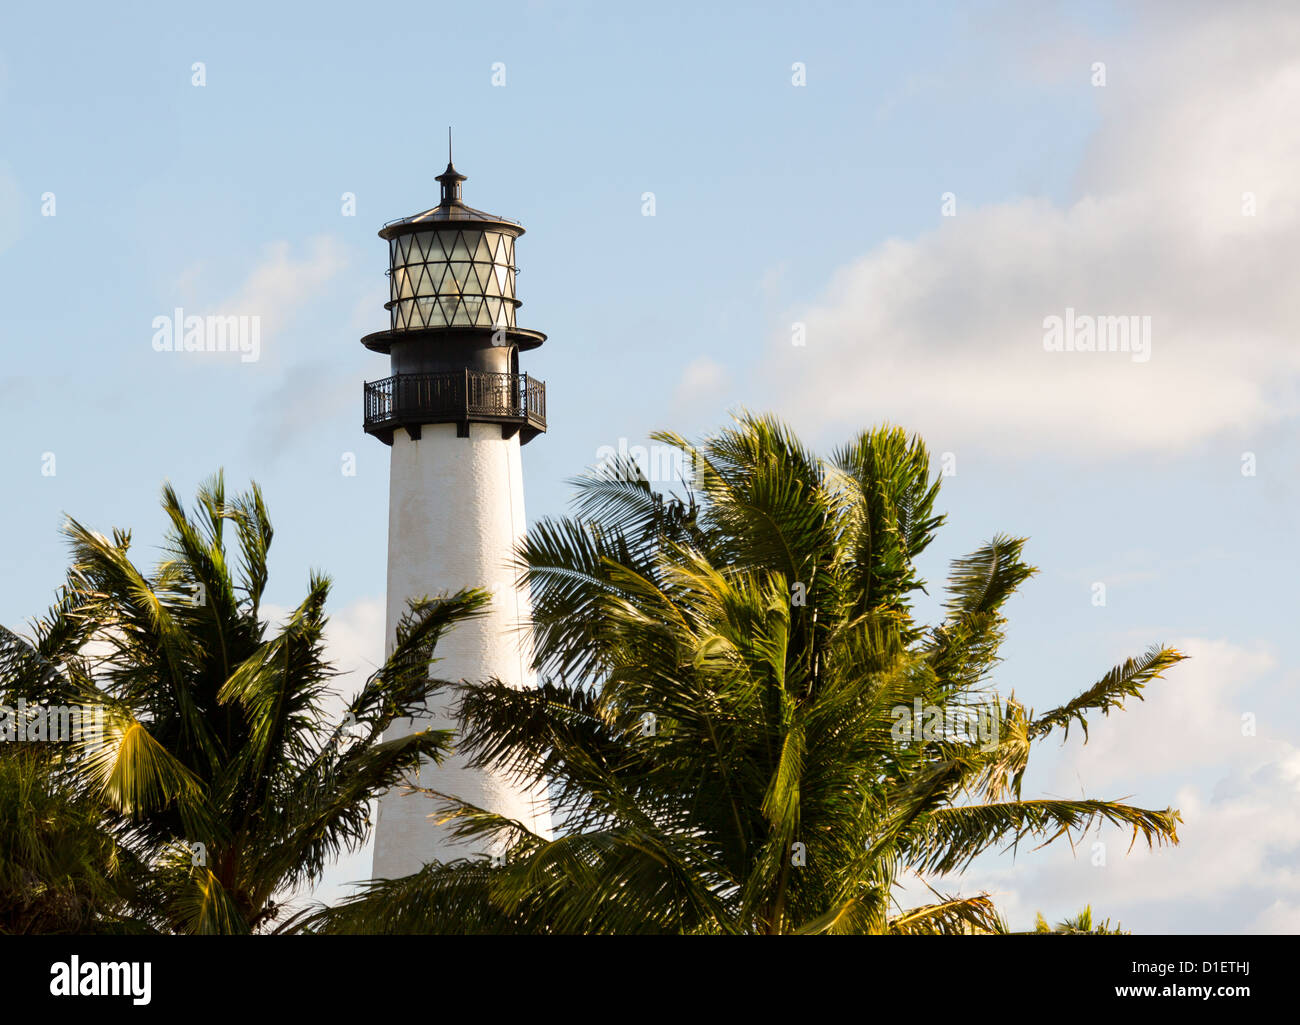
{"x": 1124, "y": 681}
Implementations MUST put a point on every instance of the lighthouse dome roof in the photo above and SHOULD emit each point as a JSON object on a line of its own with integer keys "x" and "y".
{"x": 452, "y": 211}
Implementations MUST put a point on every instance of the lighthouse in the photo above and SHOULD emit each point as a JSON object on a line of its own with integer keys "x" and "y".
{"x": 455, "y": 411}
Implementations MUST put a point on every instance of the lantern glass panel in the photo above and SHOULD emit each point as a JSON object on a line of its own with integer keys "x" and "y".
{"x": 456, "y": 250}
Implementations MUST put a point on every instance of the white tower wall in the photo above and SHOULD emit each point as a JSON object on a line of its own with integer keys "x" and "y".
{"x": 456, "y": 513}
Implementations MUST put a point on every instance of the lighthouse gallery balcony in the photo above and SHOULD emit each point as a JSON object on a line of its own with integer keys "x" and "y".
{"x": 516, "y": 401}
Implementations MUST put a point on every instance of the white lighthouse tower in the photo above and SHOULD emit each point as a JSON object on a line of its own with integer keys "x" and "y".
{"x": 456, "y": 412}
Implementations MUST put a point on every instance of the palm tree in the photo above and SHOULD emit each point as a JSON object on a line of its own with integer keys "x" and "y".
{"x": 217, "y": 766}
{"x": 728, "y": 726}
{"x": 59, "y": 871}
{"x": 1080, "y": 925}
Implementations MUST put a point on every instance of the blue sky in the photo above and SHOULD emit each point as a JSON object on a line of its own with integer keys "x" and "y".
{"x": 774, "y": 205}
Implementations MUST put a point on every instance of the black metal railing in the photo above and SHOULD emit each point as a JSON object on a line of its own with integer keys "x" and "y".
{"x": 457, "y": 396}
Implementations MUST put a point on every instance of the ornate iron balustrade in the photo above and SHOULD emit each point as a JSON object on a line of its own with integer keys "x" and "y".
{"x": 516, "y": 401}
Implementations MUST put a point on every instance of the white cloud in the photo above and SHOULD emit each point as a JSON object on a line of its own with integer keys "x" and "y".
{"x": 702, "y": 379}
{"x": 279, "y": 284}
{"x": 354, "y": 639}
{"x": 944, "y": 332}
{"x": 1233, "y": 870}
{"x": 1190, "y": 719}
{"x": 1280, "y": 918}
{"x": 276, "y": 290}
